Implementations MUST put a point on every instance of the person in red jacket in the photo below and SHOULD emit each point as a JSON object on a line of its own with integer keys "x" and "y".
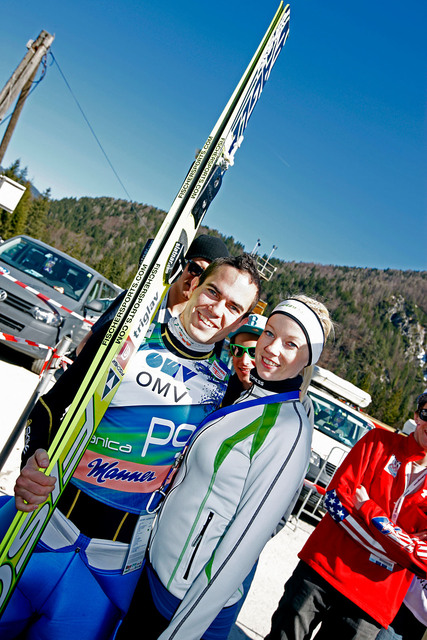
{"x": 358, "y": 563}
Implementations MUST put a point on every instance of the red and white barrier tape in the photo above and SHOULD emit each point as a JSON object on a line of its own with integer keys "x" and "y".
{"x": 9, "y": 338}
{"x": 315, "y": 487}
{"x": 5, "y": 273}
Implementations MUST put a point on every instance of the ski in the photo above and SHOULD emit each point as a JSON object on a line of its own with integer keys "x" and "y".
{"x": 143, "y": 297}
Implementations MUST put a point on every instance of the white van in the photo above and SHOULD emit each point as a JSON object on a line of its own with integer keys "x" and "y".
{"x": 338, "y": 425}
{"x": 59, "y": 277}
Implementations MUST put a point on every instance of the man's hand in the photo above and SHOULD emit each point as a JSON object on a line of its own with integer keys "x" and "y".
{"x": 33, "y": 487}
{"x": 360, "y": 496}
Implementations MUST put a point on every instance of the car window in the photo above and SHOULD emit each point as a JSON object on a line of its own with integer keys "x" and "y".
{"x": 337, "y": 422}
{"x": 102, "y": 292}
{"x": 47, "y": 266}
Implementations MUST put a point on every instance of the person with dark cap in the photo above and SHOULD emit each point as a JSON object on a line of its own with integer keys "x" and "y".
{"x": 203, "y": 250}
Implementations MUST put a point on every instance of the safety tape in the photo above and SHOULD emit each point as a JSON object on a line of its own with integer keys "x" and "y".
{"x": 5, "y": 273}
{"x": 9, "y": 338}
{"x": 315, "y": 487}
{"x": 50, "y": 350}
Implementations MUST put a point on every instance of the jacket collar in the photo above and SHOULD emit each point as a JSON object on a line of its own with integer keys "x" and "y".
{"x": 413, "y": 449}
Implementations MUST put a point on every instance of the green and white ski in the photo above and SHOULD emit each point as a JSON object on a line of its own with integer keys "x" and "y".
{"x": 129, "y": 326}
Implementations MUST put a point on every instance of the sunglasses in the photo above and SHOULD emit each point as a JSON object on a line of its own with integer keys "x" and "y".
{"x": 195, "y": 269}
{"x": 238, "y": 350}
{"x": 423, "y": 414}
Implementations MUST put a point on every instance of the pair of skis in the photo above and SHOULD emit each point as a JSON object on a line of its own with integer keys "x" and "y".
{"x": 129, "y": 326}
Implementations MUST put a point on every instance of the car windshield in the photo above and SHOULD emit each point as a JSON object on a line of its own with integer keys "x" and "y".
{"x": 47, "y": 266}
{"x": 337, "y": 422}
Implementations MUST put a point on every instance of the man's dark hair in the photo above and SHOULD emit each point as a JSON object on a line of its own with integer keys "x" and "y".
{"x": 245, "y": 263}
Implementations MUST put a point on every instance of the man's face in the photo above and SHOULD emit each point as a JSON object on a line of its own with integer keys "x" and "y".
{"x": 183, "y": 284}
{"x": 243, "y": 363}
{"x": 420, "y": 433}
{"x": 216, "y": 307}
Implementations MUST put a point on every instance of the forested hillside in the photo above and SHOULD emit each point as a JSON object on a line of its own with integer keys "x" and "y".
{"x": 380, "y": 315}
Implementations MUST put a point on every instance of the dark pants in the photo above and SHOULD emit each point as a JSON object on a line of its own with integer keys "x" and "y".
{"x": 309, "y": 600}
{"x": 142, "y": 614}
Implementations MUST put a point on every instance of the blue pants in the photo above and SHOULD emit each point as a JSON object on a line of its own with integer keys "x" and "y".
{"x": 60, "y": 595}
{"x": 159, "y": 605}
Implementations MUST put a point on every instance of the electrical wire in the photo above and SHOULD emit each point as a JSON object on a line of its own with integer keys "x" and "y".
{"x": 89, "y": 125}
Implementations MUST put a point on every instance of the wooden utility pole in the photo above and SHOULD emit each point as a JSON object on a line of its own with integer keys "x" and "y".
{"x": 20, "y": 84}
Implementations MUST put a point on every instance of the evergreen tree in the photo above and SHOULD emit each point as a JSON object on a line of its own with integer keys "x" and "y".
{"x": 12, "y": 224}
{"x": 36, "y": 221}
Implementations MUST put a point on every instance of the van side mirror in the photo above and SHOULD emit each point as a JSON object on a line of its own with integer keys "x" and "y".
{"x": 95, "y": 305}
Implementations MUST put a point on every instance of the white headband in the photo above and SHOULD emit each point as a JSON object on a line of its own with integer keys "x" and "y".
{"x": 309, "y": 322}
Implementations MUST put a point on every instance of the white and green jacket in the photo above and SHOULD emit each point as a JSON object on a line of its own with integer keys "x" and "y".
{"x": 237, "y": 479}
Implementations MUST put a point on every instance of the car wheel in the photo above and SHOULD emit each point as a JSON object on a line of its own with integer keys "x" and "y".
{"x": 37, "y": 365}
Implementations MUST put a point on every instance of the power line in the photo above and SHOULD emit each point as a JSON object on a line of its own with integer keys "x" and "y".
{"x": 90, "y": 126}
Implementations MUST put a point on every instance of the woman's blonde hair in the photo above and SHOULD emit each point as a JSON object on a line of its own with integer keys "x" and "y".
{"x": 307, "y": 374}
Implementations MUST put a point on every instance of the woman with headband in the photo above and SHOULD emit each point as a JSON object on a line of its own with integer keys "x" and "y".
{"x": 240, "y": 473}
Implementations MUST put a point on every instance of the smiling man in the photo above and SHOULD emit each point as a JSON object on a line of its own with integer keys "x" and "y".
{"x": 220, "y": 299}
{"x": 202, "y": 252}
{"x": 94, "y": 539}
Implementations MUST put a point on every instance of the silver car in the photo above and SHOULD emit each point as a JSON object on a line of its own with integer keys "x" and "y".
{"x": 61, "y": 278}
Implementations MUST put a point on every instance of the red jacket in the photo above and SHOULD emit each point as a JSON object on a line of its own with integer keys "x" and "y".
{"x": 365, "y": 554}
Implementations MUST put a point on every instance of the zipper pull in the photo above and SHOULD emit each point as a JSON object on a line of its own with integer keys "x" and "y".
{"x": 197, "y": 539}
{"x": 202, "y": 532}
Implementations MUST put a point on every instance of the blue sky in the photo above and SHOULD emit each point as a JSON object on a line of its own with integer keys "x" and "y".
{"x": 332, "y": 169}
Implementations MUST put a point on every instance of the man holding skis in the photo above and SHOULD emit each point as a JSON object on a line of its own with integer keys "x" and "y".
{"x": 90, "y": 552}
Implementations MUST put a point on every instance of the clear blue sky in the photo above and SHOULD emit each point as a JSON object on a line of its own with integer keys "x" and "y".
{"x": 332, "y": 169}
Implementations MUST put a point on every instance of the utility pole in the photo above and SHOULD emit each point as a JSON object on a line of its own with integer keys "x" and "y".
{"x": 20, "y": 84}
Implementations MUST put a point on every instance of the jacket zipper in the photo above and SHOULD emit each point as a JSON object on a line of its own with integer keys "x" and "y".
{"x": 196, "y": 544}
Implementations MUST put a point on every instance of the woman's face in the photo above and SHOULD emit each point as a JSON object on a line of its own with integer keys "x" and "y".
{"x": 281, "y": 350}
